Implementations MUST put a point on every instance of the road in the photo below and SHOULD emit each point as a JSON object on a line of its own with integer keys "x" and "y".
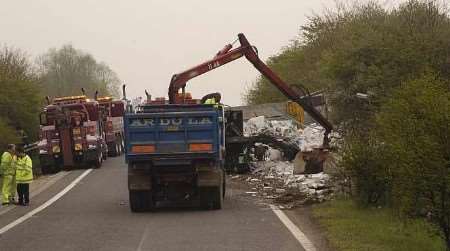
{"x": 95, "y": 215}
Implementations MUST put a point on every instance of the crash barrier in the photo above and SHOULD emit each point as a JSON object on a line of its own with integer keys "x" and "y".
{"x": 31, "y": 147}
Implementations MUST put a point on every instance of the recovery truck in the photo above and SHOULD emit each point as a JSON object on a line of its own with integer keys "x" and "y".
{"x": 71, "y": 134}
{"x": 113, "y": 111}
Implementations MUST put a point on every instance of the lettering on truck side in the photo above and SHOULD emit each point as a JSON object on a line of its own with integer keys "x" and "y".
{"x": 170, "y": 121}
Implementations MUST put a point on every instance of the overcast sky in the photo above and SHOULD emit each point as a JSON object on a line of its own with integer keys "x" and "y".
{"x": 146, "y": 41}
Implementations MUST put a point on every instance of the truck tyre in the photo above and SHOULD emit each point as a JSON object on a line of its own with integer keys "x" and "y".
{"x": 217, "y": 197}
{"x": 211, "y": 197}
{"x": 141, "y": 201}
{"x": 118, "y": 152}
{"x": 112, "y": 150}
{"x": 98, "y": 163}
{"x": 122, "y": 144}
{"x": 224, "y": 187}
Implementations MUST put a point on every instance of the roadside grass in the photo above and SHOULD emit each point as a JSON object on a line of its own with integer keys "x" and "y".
{"x": 349, "y": 227}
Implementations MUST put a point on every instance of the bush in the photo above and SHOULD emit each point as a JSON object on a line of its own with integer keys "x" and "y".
{"x": 19, "y": 96}
{"x": 414, "y": 126}
{"x": 364, "y": 159}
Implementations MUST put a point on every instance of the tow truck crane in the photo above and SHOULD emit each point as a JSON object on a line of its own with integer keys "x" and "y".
{"x": 229, "y": 54}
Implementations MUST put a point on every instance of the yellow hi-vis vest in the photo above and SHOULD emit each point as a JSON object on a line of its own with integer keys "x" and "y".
{"x": 7, "y": 166}
{"x": 212, "y": 101}
{"x": 24, "y": 170}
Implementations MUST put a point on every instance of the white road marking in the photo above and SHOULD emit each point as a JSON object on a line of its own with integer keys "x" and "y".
{"x": 298, "y": 234}
{"x": 53, "y": 180}
{"x": 46, "y": 204}
{"x": 144, "y": 235}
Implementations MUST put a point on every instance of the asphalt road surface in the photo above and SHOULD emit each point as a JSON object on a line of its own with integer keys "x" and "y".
{"x": 95, "y": 215}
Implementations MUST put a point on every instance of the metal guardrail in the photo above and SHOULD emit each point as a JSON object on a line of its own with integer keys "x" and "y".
{"x": 31, "y": 147}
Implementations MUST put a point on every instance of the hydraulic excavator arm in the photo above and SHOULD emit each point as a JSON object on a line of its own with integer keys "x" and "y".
{"x": 228, "y": 54}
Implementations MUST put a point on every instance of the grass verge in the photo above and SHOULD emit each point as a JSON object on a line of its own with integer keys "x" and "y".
{"x": 349, "y": 227}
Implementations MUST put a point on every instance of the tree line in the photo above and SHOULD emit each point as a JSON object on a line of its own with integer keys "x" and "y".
{"x": 25, "y": 82}
{"x": 386, "y": 72}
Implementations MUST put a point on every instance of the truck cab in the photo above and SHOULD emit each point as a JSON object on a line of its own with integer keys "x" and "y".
{"x": 175, "y": 152}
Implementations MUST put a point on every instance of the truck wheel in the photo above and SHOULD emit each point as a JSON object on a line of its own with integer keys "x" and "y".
{"x": 99, "y": 161}
{"x": 218, "y": 197}
{"x": 118, "y": 152}
{"x": 211, "y": 197}
{"x": 122, "y": 144}
{"x": 224, "y": 187}
{"x": 112, "y": 150}
{"x": 141, "y": 201}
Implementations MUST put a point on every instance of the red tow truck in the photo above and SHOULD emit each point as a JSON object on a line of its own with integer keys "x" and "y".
{"x": 71, "y": 134}
{"x": 113, "y": 111}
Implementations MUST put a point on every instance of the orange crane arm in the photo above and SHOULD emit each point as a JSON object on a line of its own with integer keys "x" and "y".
{"x": 226, "y": 55}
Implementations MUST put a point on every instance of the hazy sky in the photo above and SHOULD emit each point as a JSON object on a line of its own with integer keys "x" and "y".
{"x": 146, "y": 41}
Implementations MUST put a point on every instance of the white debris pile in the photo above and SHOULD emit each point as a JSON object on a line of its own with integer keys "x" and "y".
{"x": 275, "y": 180}
{"x": 306, "y": 139}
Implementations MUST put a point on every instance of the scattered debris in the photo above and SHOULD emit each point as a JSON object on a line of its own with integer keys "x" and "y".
{"x": 287, "y": 130}
{"x": 275, "y": 181}
{"x": 280, "y": 190}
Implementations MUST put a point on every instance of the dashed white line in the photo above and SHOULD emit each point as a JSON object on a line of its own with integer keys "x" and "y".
{"x": 46, "y": 204}
{"x": 298, "y": 234}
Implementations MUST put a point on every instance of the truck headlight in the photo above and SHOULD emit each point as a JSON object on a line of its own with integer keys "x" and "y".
{"x": 56, "y": 149}
{"x": 78, "y": 147}
{"x": 41, "y": 151}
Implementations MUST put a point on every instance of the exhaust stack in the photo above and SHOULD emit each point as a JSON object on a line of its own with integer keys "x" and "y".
{"x": 149, "y": 97}
{"x": 124, "y": 95}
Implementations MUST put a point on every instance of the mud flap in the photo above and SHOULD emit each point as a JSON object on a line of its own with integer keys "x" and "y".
{"x": 139, "y": 179}
{"x": 211, "y": 177}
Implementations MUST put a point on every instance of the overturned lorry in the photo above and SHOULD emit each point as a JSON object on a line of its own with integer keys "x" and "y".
{"x": 71, "y": 134}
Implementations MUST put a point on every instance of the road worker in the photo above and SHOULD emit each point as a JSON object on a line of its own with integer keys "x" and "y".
{"x": 24, "y": 176}
{"x": 212, "y": 98}
{"x": 8, "y": 169}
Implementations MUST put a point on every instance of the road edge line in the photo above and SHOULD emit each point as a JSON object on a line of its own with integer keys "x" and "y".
{"x": 46, "y": 204}
{"x": 295, "y": 231}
